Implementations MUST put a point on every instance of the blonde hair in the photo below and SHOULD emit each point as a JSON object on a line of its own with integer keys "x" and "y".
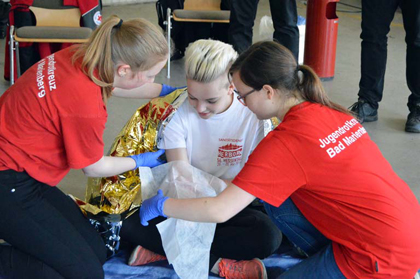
{"x": 137, "y": 43}
{"x": 206, "y": 60}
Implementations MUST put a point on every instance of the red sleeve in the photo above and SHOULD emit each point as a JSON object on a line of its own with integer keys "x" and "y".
{"x": 271, "y": 173}
{"x": 83, "y": 140}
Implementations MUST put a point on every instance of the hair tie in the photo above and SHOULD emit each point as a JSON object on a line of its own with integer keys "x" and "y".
{"x": 118, "y": 25}
{"x": 297, "y": 68}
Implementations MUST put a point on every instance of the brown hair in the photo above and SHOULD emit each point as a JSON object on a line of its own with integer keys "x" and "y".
{"x": 271, "y": 63}
{"x": 137, "y": 43}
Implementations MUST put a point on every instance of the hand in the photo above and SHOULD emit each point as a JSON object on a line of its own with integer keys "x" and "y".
{"x": 152, "y": 208}
{"x": 149, "y": 159}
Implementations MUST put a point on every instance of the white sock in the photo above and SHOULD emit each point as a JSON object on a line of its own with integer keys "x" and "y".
{"x": 215, "y": 268}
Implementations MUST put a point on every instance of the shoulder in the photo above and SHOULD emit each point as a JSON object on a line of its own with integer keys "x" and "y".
{"x": 81, "y": 97}
{"x": 246, "y": 115}
{"x": 273, "y": 143}
{"x": 241, "y": 109}
{"x": 181, "y": 116}
{"x": 185, "y": 109}
{"x": 70, "y": 77}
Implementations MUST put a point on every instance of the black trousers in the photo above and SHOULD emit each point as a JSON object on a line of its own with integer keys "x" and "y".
{"x": 250, "y": 234}
{"x": 48, "y": 234}
{"x": 284, "y": 14}
{"x": 184, "y": 33}
{"x": 377, "y": 16}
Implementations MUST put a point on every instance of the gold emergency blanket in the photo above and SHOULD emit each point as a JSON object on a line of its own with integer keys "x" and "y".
{"x": 120, "y": 193}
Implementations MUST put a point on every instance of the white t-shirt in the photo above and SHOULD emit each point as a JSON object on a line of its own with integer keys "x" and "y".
{"x": 219, "y": 145}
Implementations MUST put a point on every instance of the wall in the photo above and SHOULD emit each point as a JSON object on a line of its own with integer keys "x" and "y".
{"x": 124, "y": 2}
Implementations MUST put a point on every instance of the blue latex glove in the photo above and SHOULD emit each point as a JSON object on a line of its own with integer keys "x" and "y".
{"x": 148, "y": 159}
{"x": 152, "y": 208}
{"x": 166, "y": 89}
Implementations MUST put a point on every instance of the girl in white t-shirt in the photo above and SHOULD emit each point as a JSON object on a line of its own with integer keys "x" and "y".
{"x": 214, "y": 132}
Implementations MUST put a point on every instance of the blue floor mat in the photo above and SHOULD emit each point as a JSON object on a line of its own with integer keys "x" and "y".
{"x": 117, "y": 268}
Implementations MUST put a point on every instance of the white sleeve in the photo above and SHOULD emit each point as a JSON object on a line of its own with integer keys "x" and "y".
{"x": 259, "y": 135}
{"x": 175, "y": 133}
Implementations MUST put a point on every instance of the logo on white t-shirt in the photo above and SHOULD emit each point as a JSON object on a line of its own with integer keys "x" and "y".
{"x": 229, "y": 155}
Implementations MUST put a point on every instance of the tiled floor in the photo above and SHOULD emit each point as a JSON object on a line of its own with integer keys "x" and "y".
{"x": 400, "y": 148}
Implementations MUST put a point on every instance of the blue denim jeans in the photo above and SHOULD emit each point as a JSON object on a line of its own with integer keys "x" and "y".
{"x": 320, "y": 262}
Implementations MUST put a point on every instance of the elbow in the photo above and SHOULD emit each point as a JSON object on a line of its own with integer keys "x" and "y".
{"x": 221, "y": 215}
{"x": 222, "y": 219}
{"x": 218, "y": 211}
{"x": 92, "y": 171}
{"x": 89, "y": 173}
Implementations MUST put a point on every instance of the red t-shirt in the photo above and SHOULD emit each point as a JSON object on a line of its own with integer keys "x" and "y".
{"x": 337, "y": 177}
{"x": 51, "y": 120}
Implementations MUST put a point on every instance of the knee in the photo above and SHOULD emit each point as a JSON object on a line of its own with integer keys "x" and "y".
{"x": 413, "y": 40}
{"x": 82, "y": 269}
{"x": 98, "y": 247}
{"x": 84, "y": 265}
{"x": 91, "y": 269}
{"x": 270, "y": 237}
{"x": 373, "y": 35}
{"x": 98, "y": 272}
{"x": 416, "y": 43}
{"x": 374, "y": 38}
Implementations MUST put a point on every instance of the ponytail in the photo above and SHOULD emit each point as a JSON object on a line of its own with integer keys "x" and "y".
{"x": 311, "y": 89}
{"x": 137, "y": 43}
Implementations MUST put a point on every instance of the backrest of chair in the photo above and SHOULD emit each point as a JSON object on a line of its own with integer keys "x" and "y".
{"x": 56, "y": 17}
{"x": 48, "y": 4}
{"x": 202, "y": 5}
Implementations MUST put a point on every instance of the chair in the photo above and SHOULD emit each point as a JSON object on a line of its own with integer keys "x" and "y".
{"x": 55, "y": 23}
{"x": 195, "y": 11}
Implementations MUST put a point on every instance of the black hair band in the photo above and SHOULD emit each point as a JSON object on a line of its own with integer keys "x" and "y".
{"x": 118, "y": 25}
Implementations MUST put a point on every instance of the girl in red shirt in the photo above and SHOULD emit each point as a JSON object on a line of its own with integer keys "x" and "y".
{"x": 325, "y": 183}
{"x": 51, "y": 120}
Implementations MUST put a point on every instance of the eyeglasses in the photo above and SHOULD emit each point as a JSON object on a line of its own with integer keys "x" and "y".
{"x": 241, "y": 99}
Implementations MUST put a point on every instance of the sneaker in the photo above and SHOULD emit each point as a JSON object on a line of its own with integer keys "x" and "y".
{"x": 413, "y": 120}
{"x": 364, "y": 111}
{"x": 253, "y": 269}
{"x": 141, "y": 256}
